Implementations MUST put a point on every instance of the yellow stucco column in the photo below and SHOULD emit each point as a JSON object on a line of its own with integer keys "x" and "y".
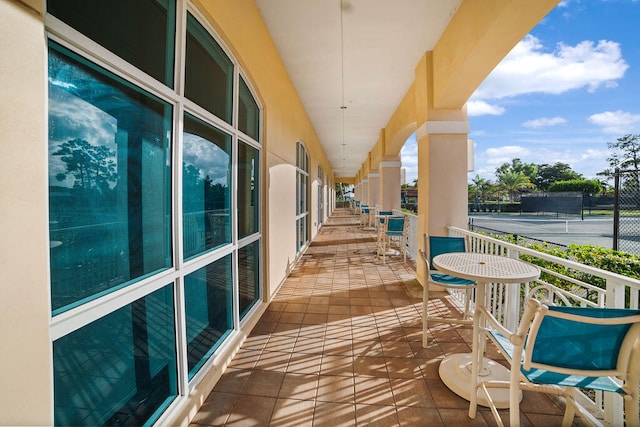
{"x": 374, "y": 188}
{"x": 26, "y": 396}
{"x": 390, "y": 182}
{"x": 364, "y": 191}
{"x": 442, "y": 178}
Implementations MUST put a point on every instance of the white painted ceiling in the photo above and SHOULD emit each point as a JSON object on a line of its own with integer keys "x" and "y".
{"x": 358, "y": 54}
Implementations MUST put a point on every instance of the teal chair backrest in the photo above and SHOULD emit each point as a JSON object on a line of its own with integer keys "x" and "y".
{"x": 383, "y": 215}
{"x": 580, "y": 345}
{"x": 365, "y": 209}
{"x": 395, "y": 223}
{"x": 443, "y": 245}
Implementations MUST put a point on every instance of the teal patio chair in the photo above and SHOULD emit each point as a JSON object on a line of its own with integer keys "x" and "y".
{"x": 364, "y": 215}
{"x": 436, "y": 245}
{"x": 557, "y": 349}
{"x": 381, "y": 227}
{"x": 395, "y": 234}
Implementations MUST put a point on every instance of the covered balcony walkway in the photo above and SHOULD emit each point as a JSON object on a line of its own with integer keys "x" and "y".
{"x": 340, "y": 345}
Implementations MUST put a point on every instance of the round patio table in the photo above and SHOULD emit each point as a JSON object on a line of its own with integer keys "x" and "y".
{"x": 456, "y": 370}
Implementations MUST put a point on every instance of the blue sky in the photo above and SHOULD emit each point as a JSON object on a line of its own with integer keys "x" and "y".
{"x": 569, "y": 87}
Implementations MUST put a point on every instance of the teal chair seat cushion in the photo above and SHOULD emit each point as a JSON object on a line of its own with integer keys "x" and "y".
{"x": 542, "y": 376}
{"x": 451, "y": 280}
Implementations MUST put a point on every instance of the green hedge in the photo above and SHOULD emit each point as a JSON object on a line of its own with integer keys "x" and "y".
{"x": 622, "y": 263}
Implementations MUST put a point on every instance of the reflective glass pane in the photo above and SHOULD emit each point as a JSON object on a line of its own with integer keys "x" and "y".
{"x": 109, "y": 181}
{"x": 248, "y": 189}
{"x": 209, "y": 310}
{"x": 248, "y": 276}
{"x": 120, "y": 369}
{"x": 208, "y": 72}
{"x": 117, "y": 26}
{"x": 248, "y": 113}
{"x": 206, "y": 180}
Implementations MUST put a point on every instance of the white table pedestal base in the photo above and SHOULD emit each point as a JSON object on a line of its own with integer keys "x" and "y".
{"x": 455, "y": 372}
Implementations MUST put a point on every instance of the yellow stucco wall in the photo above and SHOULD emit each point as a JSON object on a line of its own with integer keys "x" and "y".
{"x": 25, "y": 349}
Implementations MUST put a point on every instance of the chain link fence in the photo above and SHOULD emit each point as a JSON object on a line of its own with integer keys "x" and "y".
{"x": 626, "y": 211}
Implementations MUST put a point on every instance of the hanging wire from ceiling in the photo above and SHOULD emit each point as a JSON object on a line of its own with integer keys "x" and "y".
{"x": 343, "y": 107}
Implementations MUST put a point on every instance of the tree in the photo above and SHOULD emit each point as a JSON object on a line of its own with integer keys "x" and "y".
{"x": 528, "y": 169}
{"x": 511, "y": 182}
{"x": 548, "y": 174}
{"x": 626, "y": 154}
{"x": 92, "y": 166}
{"x": 589, "y": 186}
{"x": 480, "y": 186}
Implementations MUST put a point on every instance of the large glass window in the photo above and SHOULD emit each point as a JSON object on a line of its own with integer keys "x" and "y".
{"x": 120, "y": 369}
{"x": 209, "y": 310}
{"x": 248, "y": 112}
{"x": 141, "y": 32}
{"x": 209, "y": 72}
{"x": 248, "y": 187}
{"x": 320, "y": 196}
{"x": 113, "y": 190}
{"x": 302, "y": 182}
{"x": 109, "y": 181}
{"x": 248, "y": 276}
{"x": 206, "y": 180}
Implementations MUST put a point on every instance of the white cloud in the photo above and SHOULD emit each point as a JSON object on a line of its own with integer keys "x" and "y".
{"x": 530, "y": 68}
{"x": 494, "y": 157}
{"x": 584, "y": 161}
{"x": 544, "y": 122}
{"x": 481, "y": 108}
{"x": 617, "y": 122}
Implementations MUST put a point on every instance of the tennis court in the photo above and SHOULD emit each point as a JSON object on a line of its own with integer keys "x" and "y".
{"x": 595, "y": 231}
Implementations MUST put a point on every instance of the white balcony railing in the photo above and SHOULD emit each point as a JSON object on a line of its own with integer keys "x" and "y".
{"x": 412, "y": 234}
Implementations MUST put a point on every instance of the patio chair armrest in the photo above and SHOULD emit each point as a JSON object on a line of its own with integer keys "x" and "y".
{"x": 515, "y": 339}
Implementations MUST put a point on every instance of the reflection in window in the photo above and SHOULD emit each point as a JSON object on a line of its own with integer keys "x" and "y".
{"x": 109, "y": 181}
{"x": 206, "y": 179}
{"x": 248, "y": 187}
{"x": 208, "y": 72}
{"x": 248, "y": 276}
{"x": 209, "y": 310}
{"x": 115, "y": 24}
{"x": 248, "y": 112}
{"x": 120, "y": 369}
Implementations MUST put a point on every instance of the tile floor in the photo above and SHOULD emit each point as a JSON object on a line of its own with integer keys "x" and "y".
{"x": 340, "y": 345}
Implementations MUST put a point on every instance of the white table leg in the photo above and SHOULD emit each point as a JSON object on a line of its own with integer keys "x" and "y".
{"x": 458, "y": 372}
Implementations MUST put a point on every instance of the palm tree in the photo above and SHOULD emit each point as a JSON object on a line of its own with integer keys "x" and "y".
{"x": 480, "y": 185}
{"x": 512, "y": 182}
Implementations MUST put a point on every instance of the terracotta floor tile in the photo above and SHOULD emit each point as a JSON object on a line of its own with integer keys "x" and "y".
{"x": 336, "y": 389}
{"x": 292, "y": 413}
{"x": 263, "y": 383}
{"x": 419, "y": 416}
{"x": 299, "y": 386}
{"x": 337, "y": 365}
{"x": 375, "y": 415}
{"x": 370, "y": 366}
{"x": 334, "y": 414}
{"x": 215, "y": 410}
{"x": 373, "y": 391}
{"x": 251, "y": 410}
{"x": 232, "y": 381}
